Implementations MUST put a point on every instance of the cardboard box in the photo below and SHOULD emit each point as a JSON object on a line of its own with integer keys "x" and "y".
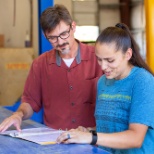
{"x": 14, "y": 65}
{"x": 1, "y": 40}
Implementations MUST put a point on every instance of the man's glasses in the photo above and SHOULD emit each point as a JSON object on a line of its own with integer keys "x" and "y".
{"x": 63, "y": 35}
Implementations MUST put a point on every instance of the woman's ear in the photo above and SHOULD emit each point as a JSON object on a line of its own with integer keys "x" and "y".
{"x": 128, "y": 54}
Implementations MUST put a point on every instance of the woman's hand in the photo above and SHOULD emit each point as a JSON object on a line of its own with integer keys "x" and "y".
{"x": 75, "y": 136}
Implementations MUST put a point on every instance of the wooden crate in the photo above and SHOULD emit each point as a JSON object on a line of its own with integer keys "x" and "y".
{"x": 14, "y": 66}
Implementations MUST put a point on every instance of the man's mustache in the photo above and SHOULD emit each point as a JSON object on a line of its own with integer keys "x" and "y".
{"x": 61, "y": 45}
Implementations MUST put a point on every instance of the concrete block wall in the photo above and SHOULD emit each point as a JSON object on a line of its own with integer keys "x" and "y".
{"x": 106, "y": 13}
{"x": 109, "y": 13}
{"x": 109, "y": 2}
{"x": 108, "y": 17}
{"x": 67, "y": 3}
{"x": 138, "y": 25}
{"x": 85, "y": 12}
{"x": 96, "y": 12}
{"x": 137, "y": 16}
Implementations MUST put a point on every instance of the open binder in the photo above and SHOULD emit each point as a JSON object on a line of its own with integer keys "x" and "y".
{"x": 42, "y": 136}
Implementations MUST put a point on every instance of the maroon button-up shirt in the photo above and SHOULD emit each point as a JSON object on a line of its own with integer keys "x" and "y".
{"x": 67, "y": 94}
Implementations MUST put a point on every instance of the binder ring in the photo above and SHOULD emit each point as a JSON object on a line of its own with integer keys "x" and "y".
{"x": 68, "y": 136}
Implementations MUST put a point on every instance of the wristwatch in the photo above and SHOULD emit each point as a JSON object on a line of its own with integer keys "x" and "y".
{"x": 94, "y": 137}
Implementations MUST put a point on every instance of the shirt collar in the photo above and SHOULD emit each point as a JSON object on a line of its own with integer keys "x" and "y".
{"x": 78, "y": 58}
{"x": 53, "y": 55}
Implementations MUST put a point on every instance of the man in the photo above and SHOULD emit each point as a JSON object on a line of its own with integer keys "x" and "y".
{"x": 63, "y": 80}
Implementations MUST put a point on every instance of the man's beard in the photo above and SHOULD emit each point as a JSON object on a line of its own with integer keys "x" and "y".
{"x": 64, "y": 51}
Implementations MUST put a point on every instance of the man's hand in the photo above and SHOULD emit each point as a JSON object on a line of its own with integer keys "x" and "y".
{"x": 24, "y": 112}
{"x": 15, "y": 120}
{"x": 83, "y": 129}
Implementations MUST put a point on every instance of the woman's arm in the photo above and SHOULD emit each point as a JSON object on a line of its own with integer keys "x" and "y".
{"x": 131, "y": 138}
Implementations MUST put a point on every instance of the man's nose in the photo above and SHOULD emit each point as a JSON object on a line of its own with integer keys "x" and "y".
{"x": 59, "y": 40}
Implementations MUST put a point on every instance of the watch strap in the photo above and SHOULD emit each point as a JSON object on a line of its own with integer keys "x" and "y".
{"x": 94, "y": 137}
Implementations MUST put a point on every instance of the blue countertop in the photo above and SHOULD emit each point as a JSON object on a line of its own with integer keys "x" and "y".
{"x": 10, "y": 145}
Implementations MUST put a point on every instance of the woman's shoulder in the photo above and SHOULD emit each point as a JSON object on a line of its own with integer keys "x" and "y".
{"x": 141, "y": 75}
{"x": 101, "y": 80}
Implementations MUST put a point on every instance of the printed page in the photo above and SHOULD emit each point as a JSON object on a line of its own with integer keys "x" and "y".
{"x": 43, "y": 135}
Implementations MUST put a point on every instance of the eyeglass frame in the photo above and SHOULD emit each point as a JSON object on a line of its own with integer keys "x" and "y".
{"x": 59, "y": 36}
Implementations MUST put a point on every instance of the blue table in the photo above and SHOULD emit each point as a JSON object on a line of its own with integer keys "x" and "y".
{"x": 10, "y": 145}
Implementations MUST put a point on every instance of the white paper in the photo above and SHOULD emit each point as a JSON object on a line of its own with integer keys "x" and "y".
{"x": 43, "y": 135}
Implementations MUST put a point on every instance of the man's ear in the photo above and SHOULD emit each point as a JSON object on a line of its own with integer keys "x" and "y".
{"x": 73, "y": 26}
{"x": 128, "y": 54}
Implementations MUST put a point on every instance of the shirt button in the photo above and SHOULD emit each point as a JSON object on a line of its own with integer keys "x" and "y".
{"x": 73, "y": 121}
{"x": 69, "y": 70}
{"x": 71, "y": 87}
{"x": 73, "y": 103}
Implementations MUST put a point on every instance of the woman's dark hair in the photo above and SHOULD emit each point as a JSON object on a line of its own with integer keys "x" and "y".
{"x": 123, "y": 39}
{"x": 52, "y": 16}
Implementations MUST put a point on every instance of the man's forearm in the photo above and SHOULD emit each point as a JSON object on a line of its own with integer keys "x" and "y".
{"x": 25, "y": 111}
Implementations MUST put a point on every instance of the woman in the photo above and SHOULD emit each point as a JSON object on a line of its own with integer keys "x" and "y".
{"x": 125, "y": 98}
